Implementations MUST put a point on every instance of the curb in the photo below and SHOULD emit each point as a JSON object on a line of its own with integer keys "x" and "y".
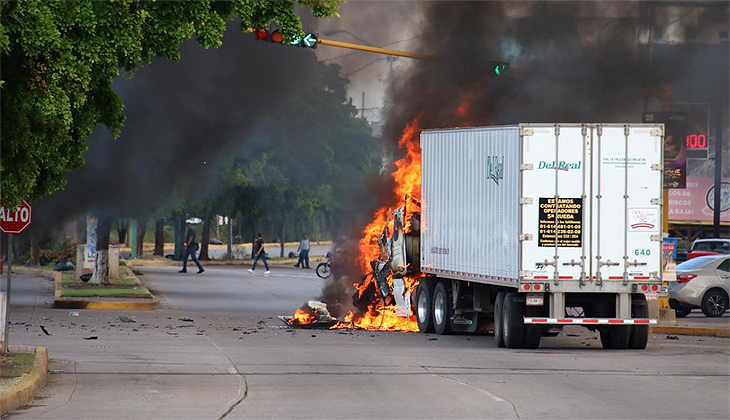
{"x": 92, "y": 303}
{"x": 25, "y": 391}
{"x": 701, "y": 331}
{"x": 103, "y": 304}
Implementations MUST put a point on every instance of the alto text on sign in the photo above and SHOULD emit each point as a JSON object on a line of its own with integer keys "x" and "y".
{"x": 14, "y": 221}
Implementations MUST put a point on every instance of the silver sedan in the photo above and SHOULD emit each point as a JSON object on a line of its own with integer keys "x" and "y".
{"x": 702, "y": 282}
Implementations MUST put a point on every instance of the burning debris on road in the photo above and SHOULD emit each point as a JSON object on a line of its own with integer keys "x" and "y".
{"x": 382, "y": 299}
{"x": 313, "y": 314}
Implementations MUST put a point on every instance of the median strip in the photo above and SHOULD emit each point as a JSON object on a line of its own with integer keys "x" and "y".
{"x": 28, "y": 384}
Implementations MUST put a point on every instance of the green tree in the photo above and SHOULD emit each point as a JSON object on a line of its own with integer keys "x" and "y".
{"x": 60, "y": 57}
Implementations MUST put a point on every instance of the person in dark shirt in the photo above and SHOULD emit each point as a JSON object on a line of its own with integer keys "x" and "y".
{"x": 190, "y": 247}
{"x": 259, "y": 253}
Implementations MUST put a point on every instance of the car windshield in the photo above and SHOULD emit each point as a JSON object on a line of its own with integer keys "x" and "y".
{"x": 714, "y": 246}
{"x": 695, "y": 263}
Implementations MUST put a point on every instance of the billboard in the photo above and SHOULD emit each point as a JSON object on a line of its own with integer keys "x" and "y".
{"x": 696, "y": 202}
{"x": 675, "y": 152}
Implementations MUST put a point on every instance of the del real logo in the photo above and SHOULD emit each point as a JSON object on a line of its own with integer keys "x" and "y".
{"x": 561, "y": 165}
{"x": 495, "y": 168}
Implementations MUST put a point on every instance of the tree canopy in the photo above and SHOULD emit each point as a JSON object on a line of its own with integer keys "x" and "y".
{"x": 60, "y": 58}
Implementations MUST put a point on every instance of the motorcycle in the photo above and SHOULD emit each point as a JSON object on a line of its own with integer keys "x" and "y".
{"x": 324, "y": 269}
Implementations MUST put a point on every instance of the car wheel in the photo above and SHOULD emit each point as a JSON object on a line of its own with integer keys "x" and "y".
{"x": 681, "y": 313}
{"x": 714, "y": 303}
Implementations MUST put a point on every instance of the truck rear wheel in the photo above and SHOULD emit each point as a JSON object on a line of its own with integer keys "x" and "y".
{"x": 512, "y": 321}
{"x": 424, "y": 305}
{"x": 533, "y": 333}
{"x": 498, "y": 327}
{"x": 441, "y": 309}
{"x": 639, "y": 334}
{"x": 619, "y": 337}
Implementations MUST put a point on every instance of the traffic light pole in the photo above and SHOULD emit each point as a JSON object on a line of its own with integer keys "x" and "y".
{"x": 377, "y": 50}
{"x": 717, "y": 208}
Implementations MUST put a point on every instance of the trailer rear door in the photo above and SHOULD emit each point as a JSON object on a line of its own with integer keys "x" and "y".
{"x": 597, "y": 189}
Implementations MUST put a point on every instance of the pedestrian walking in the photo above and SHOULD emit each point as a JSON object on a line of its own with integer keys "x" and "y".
{"x": 303, "y": 252}
{"x": 190, "y": 247}
{"x": 259, "y": 253}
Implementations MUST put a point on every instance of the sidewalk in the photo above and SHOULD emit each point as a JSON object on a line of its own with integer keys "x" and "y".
{"x": 696, "y": 323}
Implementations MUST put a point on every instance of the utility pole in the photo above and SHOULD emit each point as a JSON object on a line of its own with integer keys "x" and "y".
{"x": 6, "y": 306}
{"x": 717, "y": 207}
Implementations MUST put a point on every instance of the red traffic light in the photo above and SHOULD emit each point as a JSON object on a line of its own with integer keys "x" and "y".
{"x": 262, "y": 34}
{"x": 277, "y": 36}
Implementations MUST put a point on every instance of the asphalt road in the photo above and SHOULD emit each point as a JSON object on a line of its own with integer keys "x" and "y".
{"x": 216, "y": 350}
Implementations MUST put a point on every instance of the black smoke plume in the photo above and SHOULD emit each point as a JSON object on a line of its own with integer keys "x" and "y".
{"x": 184, "y": 121}
{"x": 570, "y": 62}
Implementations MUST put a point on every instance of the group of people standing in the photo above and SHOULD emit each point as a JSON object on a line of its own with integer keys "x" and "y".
{"x": 190, "y": 248}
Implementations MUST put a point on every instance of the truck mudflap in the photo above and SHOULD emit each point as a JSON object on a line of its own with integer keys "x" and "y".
{"x": 589, "y": 321}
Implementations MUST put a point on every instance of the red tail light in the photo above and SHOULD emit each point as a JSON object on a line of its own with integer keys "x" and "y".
{"x": 684, "y": 278}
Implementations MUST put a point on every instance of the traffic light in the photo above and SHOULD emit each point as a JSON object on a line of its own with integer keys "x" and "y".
{"x": 309, "y": 40}
{"x": 500, "y": 69}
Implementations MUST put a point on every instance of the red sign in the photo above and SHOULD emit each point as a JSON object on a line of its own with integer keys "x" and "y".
{"x": 14, "y": 221}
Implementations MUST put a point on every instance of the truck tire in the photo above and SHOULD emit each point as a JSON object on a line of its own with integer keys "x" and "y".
{"x": 512, "y": 321}
{"x": 532, "y": 332}
{"x": 639, "y": 334}
{"x": 619, "y": 337}
{"x": 606, "y": 338}
{"x": 441, "y": 309}
{"x": 424, "y": 305}
{"x": 498, "y": 327}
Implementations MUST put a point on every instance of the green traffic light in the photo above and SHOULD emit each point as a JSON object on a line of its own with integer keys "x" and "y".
{"x": 501, "y": 69}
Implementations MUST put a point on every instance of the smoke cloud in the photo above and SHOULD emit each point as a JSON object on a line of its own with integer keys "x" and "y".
{"x": 185, "y": 120}
{"x": 571, "y": 62}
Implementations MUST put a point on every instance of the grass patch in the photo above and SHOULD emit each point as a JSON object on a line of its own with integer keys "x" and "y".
{"x": 124, "y": 287}
{"x": 13, "y": 366}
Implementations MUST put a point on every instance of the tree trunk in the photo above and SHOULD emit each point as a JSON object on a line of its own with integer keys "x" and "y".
{"x": 281, "y": 240}
{"x": 141, "y": 232}
{"x": 103, "y": 230}
{"x": 80, "y": 230}
{"x": 160, "y": 237}
{"x": 122, "y": 229}
{"x": 205, "y": 238}
{"x": 34, "y": 250}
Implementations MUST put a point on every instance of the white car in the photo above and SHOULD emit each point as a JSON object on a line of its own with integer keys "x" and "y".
{"x": 702, "y": 282}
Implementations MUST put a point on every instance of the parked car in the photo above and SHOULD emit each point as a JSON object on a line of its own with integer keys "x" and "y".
{"x": 702, "y": 282}
{"x": 214, "y": 241}
{"x": 713, "y": 246}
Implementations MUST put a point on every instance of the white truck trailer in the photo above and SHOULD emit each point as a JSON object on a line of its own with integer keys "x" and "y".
{"x": 541, "y": 226}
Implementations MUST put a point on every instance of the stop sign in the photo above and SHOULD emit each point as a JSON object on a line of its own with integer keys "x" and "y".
{"x": 14, "y": 221}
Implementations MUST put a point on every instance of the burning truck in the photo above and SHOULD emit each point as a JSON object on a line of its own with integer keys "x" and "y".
{"x": 519, "y": 225}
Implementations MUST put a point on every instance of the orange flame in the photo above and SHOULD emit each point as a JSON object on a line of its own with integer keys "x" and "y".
{"x": 407, "y": 177}
{"x": 303, "y": 317}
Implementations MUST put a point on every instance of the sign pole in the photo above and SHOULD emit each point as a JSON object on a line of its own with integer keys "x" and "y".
{"x": 6, "y": 309}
